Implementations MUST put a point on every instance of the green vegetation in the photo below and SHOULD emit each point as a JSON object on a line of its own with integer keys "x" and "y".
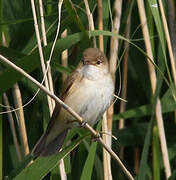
{"x": 140, "y": 137}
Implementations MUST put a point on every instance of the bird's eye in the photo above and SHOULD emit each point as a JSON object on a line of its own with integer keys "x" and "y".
{"x": 98, "y": 62}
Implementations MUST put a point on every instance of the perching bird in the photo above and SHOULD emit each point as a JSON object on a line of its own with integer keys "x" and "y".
{"x": 88, "y": 91}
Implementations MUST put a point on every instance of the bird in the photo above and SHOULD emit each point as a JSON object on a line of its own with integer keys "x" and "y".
{"x": 89, "y": 91}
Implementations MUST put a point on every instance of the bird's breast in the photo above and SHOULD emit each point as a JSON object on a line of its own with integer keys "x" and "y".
{"x": 90, "y": 98}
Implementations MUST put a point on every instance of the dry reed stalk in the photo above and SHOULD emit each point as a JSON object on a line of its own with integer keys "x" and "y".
{"x": 114, "y": 40}
{"x": 172, "y": 26}
{"x": 171, "y": 55}
{"x": 63, "y": 174}
{"x": 74, "y": 114}
{"x": 49, "y": 28}
{"x": 113, "y": 65}
{"x": 42, "y": 23}
{"x": 108, "y": 116}
{"x": 100, "y": 24}
{"x": 64, "y": 57}
{"x": 136, "y": 160}
{"x": 21, "y": 122}
{"x": 10, "y": 117}
{"x": 44, "y": 38}
{"x": 12, "y": 127}
{"x": 50, "y": 82}
{"x": 172, "y": 18}
{"x": 4, "y": 42}
{"x": 41, "y": 55}
{"x": 125, "y": 72}
{"x": 64, "y": 60}
{"x": 106, "y": 156}
{"x": 90, "y": 21}
{"x": 124, "y": 78}
{"x": 113, "y": 53}
{"x": 152, "y": 74}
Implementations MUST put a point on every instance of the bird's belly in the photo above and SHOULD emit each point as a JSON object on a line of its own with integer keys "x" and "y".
{"x": 90, "y": 100}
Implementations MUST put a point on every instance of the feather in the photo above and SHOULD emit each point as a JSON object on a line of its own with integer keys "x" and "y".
{"x": 43, "y": 148}
{"x": 52, "y": 140}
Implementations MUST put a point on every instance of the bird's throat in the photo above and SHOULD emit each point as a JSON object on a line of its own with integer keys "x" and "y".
{"x": 92, "y": 72}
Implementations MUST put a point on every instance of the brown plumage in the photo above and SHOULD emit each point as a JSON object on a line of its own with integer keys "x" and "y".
{"x": 88, "y": 91}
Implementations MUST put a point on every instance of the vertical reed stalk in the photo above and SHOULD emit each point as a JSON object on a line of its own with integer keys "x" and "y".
{"x": 41, "y": 54}
{"x": 136, "y": 160}
{"x": 63, "y": 174}
{"x": 21, "y": 122}
{"x": 64, "y": 57}
{"x": 90, "y": 21}
{"x": 124, "y": 78}
{"x": 42, "y": 23}
{"x": 106, "y": 157}
{"x": 100, "y": 24}
{"x": 125, "y": 72}
{"x": 50, "y": 81}
{"x": 172, "y": 18}
{"x": 172, "y": 26}
{"x": 152, "y": 74}
{"x": 12, "y": 127}
{"x": 113, "y": 54}
{"x": 171, "y": 55}
{"x": 113, "y": 65}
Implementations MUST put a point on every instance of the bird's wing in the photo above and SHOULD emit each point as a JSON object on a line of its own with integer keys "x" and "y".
{"x": 53, "y": 138}
{"x": 68, "y": 86}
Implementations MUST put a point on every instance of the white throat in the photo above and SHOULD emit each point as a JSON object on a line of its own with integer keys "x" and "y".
{"x": 93, "y": 72}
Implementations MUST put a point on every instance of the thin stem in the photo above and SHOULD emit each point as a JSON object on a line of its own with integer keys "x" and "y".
{"x": 42, "y": 23}
{"x": 64, "y": 57}
{"x": 90, "y": 20}
{"x": 50, "y": 81}
{"x": 22, "y": 126}
{"x": 106, "y": 139}
{"x": 62, "y": 170}
{"x": 114, "y": 40}
{"x": 112, "y": 67}
{"x": 106, "y": 156}
{"x": 125, "y": 72}
{"x": 172, "y": 60}
{"x": 12, "y": 127}
{"x": 152, "y": 74}
{"x": 64, "y": 60}
{"x": 100, "y": 24}
{"x": 73, "y": 113}
{"x": 124, "y": 78}
{"x": 136, "y": 159}
{"x": 41, "y": 54}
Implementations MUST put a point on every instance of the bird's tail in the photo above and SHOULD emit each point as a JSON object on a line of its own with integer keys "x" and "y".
{"x": 42, "y": 148}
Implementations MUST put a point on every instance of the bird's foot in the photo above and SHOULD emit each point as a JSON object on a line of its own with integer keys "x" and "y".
{"x": 95, "y": 137}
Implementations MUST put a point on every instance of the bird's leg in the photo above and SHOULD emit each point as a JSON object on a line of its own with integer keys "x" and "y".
{"x": 93, "y": 137}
